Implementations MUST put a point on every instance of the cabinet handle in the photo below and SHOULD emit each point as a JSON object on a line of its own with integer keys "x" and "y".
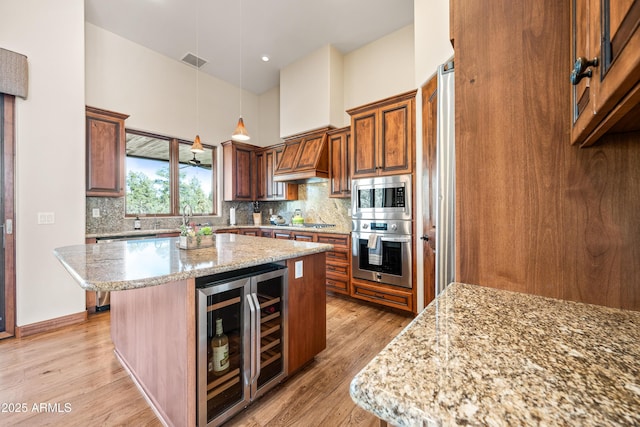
{"x": 581, "y": 69}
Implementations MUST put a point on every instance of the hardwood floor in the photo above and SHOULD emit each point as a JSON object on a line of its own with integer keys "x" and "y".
{"x": 71, "y": 377}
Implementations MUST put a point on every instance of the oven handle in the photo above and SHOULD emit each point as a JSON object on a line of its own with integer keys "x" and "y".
{"x": 365, "y": 236}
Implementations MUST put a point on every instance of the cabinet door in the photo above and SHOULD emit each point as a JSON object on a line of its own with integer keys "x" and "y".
{"x": 364, "y": 161}
{"x": 263, "y": 191}
{"x": 239, "y": 174}
{"x": 270, "y": 167}
{"x": 395, "y": 144}
{"x": 611, "y": 32}
{"x": 281, "y": 190}
{"x": 339, "y": 176}
{"x": 105, "y": 145}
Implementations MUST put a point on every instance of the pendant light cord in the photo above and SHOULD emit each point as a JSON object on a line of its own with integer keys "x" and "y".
{"x": 197, "y": 70}
{"x": 241, "y": 22}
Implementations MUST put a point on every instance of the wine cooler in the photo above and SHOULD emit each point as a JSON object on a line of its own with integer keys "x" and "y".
{"x": 242, "y": 339}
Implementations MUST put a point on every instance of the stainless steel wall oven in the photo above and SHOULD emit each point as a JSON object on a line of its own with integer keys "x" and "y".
{"x": 382, "y": 224}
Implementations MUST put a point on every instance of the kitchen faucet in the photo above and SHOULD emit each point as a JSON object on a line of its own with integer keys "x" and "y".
{"x": 187, "y": 213}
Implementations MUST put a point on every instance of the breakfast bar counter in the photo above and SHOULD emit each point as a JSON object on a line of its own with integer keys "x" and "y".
{"x": 481, "y": 356}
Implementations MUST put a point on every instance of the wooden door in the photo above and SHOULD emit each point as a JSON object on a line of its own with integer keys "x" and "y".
{"x": 429, "y": 189}
{"x": 364, "y": 161}
{"x": 7, "y": 267}
{"x": 395, "y": 141}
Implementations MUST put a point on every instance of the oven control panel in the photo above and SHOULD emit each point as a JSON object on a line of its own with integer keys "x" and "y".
{"x": 382, "y": 227}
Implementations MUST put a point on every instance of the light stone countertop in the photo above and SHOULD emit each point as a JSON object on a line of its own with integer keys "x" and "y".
{"x": 147, "y": 232}
{"x": 134, "y": 264}
{"x": 481, "y": 356}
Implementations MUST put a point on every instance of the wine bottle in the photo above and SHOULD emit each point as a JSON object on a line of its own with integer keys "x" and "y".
{"x": 220, "y": 347}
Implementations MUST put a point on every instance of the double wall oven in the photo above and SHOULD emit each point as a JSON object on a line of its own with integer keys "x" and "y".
{"x": 381, "y": 237}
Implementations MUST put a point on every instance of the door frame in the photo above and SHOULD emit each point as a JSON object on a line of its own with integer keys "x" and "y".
{"x": 7, "y": 149}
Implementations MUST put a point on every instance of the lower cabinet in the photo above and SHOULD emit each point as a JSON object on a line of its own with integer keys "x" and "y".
{"x": 338, "y": 262}
{"x": 390, "y": 296}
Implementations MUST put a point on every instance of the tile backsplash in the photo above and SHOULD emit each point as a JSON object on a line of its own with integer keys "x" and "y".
{"x": 313, "y": 201}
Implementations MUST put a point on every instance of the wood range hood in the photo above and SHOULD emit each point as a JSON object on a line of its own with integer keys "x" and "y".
{"x": 305, "y": 158}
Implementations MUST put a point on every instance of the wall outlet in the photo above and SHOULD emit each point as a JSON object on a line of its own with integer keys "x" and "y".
{"x": 96, "y": 212}
{"x": 45, "y": 218}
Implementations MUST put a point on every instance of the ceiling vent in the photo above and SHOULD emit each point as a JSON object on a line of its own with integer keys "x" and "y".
{"x": 193, "y": 60}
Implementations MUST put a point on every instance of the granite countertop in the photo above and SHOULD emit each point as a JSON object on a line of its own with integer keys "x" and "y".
{"x": 147, "y": 232}
{"x": 134, "y": 264}
{"x": 481, "y": 356}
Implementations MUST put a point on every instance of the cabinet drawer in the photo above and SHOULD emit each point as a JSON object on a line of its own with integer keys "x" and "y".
{"x": 336, "y": 240}
{"x": 383, "y": 295}
{"x": 337, "y": 268}
{"x": 337, "y": 256}
{"x": 281, "y": 235}
{"x": 337, "y": 283}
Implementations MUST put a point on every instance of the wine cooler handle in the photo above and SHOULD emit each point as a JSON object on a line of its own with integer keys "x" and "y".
{"x": 257, "y": 335}
{"x": 252, "y": 325}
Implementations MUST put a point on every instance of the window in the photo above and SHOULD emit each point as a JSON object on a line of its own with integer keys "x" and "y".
{"x": 163, "y": 175}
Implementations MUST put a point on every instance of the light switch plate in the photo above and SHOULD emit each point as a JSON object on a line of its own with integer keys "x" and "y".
{"x": 96, "y": 212}
{"x": 298, "y": 272}
{"x": 46, "y": 218}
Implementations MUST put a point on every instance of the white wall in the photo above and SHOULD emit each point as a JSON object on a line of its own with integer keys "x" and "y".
{"x": 159, "y": 93}
{"x": 50, "y": 149}
{"x": 432, "y": 48}
{"x": 310, "y": 92}
{"x": 380, "y": 69}
{"x": 269, "y": 125}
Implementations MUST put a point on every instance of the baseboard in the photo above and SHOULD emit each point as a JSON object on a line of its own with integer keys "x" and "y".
{"x": 51, "y": 324}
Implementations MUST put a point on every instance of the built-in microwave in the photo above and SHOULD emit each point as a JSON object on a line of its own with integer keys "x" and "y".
{"x": 383, "y": 197}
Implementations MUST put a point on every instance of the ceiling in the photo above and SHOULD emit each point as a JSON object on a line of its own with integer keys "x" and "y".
{"x": 285, "y": 30}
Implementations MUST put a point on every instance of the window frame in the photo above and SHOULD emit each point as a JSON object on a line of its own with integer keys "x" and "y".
{"x": 174, "y": 175}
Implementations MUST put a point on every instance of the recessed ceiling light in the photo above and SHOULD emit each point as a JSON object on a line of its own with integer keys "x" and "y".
{"x": 265, "y": 58}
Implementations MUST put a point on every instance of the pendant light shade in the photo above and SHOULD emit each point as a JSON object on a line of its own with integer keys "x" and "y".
{"x": 240, "y": 134}
{"x": 197, "y": 145}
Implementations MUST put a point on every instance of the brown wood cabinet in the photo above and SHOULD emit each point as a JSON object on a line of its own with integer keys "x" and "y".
{"x": 307, "y": 311}
{"x": 338, "y": 262}
{"x": 534, "y": 213}
{"x": 605, "y": 43}
{"x": 383, "y": 137}
{"x": 105, "y": 145}
{"x": 304, "y": 236}
{"x": 249, "y": 232}
{"x": 239, "y": 171}
{"x": 339, "y": 166}
{"x": 281, "y": 235}
{"x": 267, "y": 188}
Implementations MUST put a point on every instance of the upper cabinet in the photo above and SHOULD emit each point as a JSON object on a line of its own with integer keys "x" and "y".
{"x": 606, "y": 68}
{"x": 239, "y": 171}
{"x": 339, "y": 172}
{"x": 267, "y": 188}
{"x": 105, "y": 140}
{"x": 383, "y": 137}
{"x": 305, "y": 157}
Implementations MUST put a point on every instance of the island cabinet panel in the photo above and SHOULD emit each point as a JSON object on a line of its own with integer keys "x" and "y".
{"x": 105, "y": 141}
{"x": 307, "y": 310}
{"x": 154, "y": 333}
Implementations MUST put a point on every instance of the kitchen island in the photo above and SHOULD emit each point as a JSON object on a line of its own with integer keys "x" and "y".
{"x": 482, "y": 356}
{"x": 154, "y": 307}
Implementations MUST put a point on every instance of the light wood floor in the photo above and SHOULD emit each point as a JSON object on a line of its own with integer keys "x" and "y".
{"x": 71, "y": 377}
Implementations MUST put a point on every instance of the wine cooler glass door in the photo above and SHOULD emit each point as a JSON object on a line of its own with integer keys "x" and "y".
{"x": 223, "y": 351}
{"x": 269, "y": 291}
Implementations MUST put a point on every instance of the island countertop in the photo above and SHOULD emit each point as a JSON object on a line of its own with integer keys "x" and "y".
{"x": 134, "y": 264}
{"x": 482, "y": 356}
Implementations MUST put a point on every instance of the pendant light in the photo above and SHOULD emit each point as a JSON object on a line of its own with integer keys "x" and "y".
{"x": 240, "y": 134}
{"x": 197, "y": 145}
